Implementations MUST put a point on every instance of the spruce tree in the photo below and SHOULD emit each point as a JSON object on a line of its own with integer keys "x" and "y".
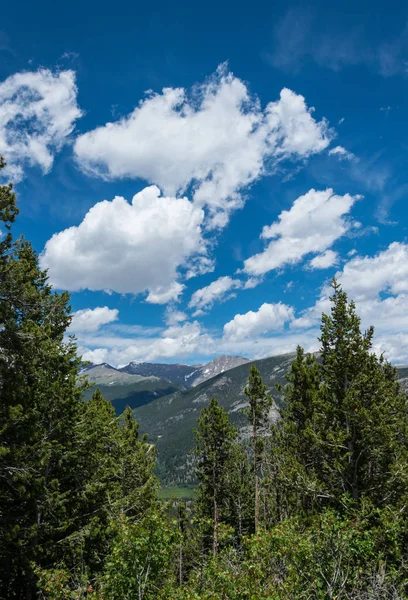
{"x": 40, "y": 405}
{"x": 116, "y": 478}
{"x": 258, "y": 411}
{"x": 343, "y": 438}
{"x": 215, "y": 438}
{"x": 137, "y": 460}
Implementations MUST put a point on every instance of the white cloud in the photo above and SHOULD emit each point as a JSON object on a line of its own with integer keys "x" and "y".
{"x": 128, "y": 248}
{"x": 315, "y": 221}
{"x": 177, "y": 341}
{"x": 365, "y": 277}
{"x": 164, "y": 294}
{"x": 187, "y": 342}
{"x": 217, "y": 138}
{"x": 303, "y": 34}
{"x": 173, "y": 317}
{"x": 379, "y": 286}
{"x": 324, "y": 261}
{"x": 37, "y": 114}
{"x": 269, "y": 317}
{"x": 218, "y": 290}
{"x": 89, "y": 319}
{"x": 342, "y": 153}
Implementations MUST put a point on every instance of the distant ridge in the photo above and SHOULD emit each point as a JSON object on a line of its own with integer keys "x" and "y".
{"x": 186, "y": 375}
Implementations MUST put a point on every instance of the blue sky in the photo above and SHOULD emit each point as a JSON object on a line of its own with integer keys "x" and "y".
{"x": 194, "y": 176}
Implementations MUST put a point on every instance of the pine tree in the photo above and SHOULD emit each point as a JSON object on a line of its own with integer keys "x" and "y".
{"x": 215, "y": 440}
{"x": 344, "y": 433}
{"x": 364, "y": 434}
{"x": 259, "y": 405}
{"x": 138, "y": 484}
{"x": 40, "y": 404}
{"x": 116, "y": 477}
{"x": 294, "y": 456}
{"x": 239, "y": 496}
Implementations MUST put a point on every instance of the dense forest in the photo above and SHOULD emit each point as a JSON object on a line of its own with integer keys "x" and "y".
{"x": 314, "y": 506}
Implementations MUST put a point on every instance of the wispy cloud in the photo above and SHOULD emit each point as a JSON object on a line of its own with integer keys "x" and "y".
{"x": 300, "y": 36}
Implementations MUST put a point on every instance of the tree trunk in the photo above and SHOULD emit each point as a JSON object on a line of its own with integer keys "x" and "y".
{"x": 215, "y": 528}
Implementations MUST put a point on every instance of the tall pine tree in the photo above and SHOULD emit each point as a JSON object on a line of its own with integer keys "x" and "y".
{"x": 215, "y": 438}
{"x": 344, "y": 434}
{"x": 258, "y": 411}
{"x": 40, "y": 404}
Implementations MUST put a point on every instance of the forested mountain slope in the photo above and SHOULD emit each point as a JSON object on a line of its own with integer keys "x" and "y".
{"x": 170, "y": 420}
{"x": 123, "y": 389}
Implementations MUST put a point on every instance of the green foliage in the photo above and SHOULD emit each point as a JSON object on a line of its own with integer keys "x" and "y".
{"x": 330, "y": 557}
{"x": 343, "y": 434}
{"x": 40, "y": 405}
{"x": 260, "y": 403}
{"x": 140, "y": 562}
{"x": 79, "y": 509}
{"x": 66, "y": 467}
{"x": 215, "y": 439}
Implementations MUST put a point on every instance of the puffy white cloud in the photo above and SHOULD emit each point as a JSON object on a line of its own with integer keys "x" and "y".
{"x": 173, "y": 317}
{"x": 315, "y": 221}
{"x": 269, "y": 317}
{"x": 217, "y": 290}
{"x": 128, "y": 247}
{"x": 187, "y": 342}
{"x": 342, "y": 153}
{"x": 324, "y": 261}
{"x": 37, "y": 114}
{"x": 89, "y": 319}
{"x": 365, "y": 277}
{"x": 217, "y": 138}
{"x": 177, "y": 341}
{"x": 164, "y": 294}
{"x": 379, "y": 286}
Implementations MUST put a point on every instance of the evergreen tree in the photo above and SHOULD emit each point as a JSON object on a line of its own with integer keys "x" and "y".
{"x": 116, "y": 477}
{"x": 215, "y": 439}
{"x": 138, "y": 484}
{"x": 343, "y": 435}
{"x": 66, "y": 467}
{"x": 258, "y": 411}
{"x": 294, "y": 461}
{"x": 239, "y": 496}
{"x": 40, "y": 405}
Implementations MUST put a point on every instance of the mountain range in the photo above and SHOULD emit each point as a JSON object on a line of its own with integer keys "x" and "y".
{"x": 167, "y": 399}
{"x": 138, "y": 384}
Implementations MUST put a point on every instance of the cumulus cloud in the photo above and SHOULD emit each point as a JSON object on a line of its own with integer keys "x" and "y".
{"x": 179, "y": 340}
{"x": 216, "y": 138}
{"x": 379, "y": 286}
{"x": 218, "y": 290}
{"x": 269, "y": 317}
{"x": 164, "y": 294}
{"x": 38, "y": 111}
{"x": 189, "y": 341}
{"x": 324, "y": 261}
{"x": 173, "y": 316}
{"x": 128, "y": 247}
{"x": 89, "y": 319}
{"x": 365, "y": 277}
{"x": 315, "y": 221}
